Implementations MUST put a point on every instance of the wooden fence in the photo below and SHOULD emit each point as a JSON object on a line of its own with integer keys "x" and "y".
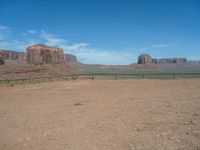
{"x": 93, "y": 76}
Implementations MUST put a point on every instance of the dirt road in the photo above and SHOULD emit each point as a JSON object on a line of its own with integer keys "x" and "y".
{"x": 101, "y": 115}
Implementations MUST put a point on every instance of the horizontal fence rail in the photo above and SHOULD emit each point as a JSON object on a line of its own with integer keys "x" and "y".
{"x": 113, "y": 76}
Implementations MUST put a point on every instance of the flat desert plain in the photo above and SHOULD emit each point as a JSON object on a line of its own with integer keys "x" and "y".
{"x": 101, "y": 115}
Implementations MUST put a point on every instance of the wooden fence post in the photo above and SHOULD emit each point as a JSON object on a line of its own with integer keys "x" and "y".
{"x": 142, "y": 76}
{"x": 174, "y": 76}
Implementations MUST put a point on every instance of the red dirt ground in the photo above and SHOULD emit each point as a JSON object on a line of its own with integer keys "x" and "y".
{"x": 101, "y": 115}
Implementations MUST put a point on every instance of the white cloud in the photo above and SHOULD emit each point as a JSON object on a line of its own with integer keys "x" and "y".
{"x": 107, "y": 57}
{"x": 162, "y": 45}
{"x": 13, "y": 45}
{"x": 52, "y": 40}
{"x": 4, "y": 32}
{"x": 5, "y": 28}
{"x": 76, "y": 46}
{"x": 159, "y": 46}
{"x": 32, "y": 31}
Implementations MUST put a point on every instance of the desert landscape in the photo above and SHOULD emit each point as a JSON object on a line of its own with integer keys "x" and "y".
{"x": 101, "y": 114}
{"x": 100, "y": 75}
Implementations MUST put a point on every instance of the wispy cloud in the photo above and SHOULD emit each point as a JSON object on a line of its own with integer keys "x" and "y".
{"x": 98, "y": 56}
{"x": 13, "y": 45}
{"x": 5, "y": 29}
{"x": 52, "y": 40}
{"x": 86, "y": 53}
{"x": 157, "y": 46}
{"x": 76, "y": 46}
{"x": 32, "y": 31}
{"x": 162, "y": 45}
{"x": 4, "y": 32}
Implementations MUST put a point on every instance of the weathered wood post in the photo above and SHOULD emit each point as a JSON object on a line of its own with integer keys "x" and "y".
{"x": 174, "y": 76}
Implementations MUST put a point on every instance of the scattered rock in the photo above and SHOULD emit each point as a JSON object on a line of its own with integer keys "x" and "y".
{"x": 78, "y": 104}
{"x": 187, "y": 132}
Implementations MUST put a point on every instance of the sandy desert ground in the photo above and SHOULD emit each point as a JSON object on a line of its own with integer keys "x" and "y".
{"x": 101, "y": 115}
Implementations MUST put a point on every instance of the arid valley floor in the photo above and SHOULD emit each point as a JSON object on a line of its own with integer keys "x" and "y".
{"x": 101, "y": 115}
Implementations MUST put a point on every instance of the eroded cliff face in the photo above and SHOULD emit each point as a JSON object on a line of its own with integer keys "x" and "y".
{"x": 40, "y": 54}
{"x": 170, "y": 61}
{"x": 70, "y": 59}
{"x": 13, "y": 55}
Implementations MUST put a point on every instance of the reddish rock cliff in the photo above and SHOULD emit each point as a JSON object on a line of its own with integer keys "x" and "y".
{"x": 40, "y": 53}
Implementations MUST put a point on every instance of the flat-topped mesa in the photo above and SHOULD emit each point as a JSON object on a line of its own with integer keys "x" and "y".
{"x": 40, "y": 54}
{"x": 169, "y": 61}
{"x": 13, "y": 55}
{"x": 70, "y": 59}
{"x": 144, "y": 59}
{"x": 147, "y": 59}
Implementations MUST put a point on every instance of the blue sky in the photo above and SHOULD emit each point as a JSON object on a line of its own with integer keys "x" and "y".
{"x": 104, "y": 31}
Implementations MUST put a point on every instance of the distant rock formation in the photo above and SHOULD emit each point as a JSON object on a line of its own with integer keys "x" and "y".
{"x": 13, "y": 55}
{"x": 194, "y": 62}
{"x": 1, "y": 58}
{"x": 40, "y": 54}
{"x": 21, "y": 56}
{"x": 10, "y": 55}
{"x": 169, "y": 61}
{"x": 144, "y": 59}
{"x": 70, "y": 59}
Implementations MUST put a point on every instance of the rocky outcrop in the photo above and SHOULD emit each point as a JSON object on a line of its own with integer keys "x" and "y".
{"x": 13, "y": 55}
{"x": 40, "y": 54}
{"x": 10, "y": 55}
{"x": 144, "y": 59}
{"x": 70, "y": 59}
{"x": 169, "y": 61}
{"x": 194, "y": 62}
{"x": 1, "y": 58}
{"x": 21, "y": 56}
